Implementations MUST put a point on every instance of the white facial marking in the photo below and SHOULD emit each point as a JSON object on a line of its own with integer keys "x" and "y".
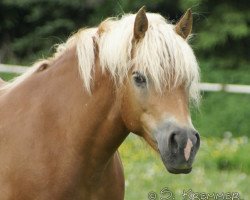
{"x": 187, "y": 149}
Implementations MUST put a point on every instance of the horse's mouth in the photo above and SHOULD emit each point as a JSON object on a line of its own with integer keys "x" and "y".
{"x": 179, "y": 171}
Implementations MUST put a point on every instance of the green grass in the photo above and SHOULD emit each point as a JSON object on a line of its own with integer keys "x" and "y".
{"x": 228, "y": 76}
{"x": 221, "y": 113}
{"x": 7, "y": 76}
{"x": 222, "y": 165}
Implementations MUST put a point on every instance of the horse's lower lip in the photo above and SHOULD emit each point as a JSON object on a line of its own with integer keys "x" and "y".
{"x": 179, "y": 171}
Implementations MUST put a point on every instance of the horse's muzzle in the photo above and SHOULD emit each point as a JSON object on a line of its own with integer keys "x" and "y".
{"x": 177, "y": 146}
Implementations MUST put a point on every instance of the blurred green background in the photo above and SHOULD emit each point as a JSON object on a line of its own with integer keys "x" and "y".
{"x": 221, "y": 41}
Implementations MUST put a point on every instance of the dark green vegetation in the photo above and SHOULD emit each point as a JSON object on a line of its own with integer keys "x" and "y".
{"x": 30, "y": 28}
{"x": 7, "y": 76}
{"x": 221, "y": 41}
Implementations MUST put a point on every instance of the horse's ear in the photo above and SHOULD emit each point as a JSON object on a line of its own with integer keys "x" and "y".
{"x": 141, "y": 24}
{"x": 184, "y": 26}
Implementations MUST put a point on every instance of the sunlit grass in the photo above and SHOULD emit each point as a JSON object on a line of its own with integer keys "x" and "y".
{"x": 7, "y": 76}
{"x": 144, "y": 170}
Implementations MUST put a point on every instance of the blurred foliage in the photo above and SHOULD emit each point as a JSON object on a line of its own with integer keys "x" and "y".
{"x": 29, "y": 28}
{"x": 223, "y": 32}
{"x": 7, "y": 76}
{"x": 222, "y": 112}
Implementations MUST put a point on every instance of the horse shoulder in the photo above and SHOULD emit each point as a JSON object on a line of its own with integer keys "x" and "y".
{"x": 116, "y": 178}
{"x": 112, "y": 182}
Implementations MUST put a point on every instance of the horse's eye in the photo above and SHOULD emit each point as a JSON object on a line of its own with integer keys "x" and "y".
{"x": 139, "y": 79}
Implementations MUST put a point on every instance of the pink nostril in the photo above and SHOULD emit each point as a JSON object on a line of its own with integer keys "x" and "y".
{"x": 181, "y": 139}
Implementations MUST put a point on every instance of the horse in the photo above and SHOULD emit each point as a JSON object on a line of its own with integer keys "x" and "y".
{"x": 63, "y": 120}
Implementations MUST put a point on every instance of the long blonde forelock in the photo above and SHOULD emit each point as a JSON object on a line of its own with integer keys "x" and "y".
{"x": 161, "y": 54}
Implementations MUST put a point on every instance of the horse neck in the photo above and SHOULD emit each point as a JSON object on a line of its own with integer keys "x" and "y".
{"x": 87, "y": 128}
{"x": 96, "y": 128}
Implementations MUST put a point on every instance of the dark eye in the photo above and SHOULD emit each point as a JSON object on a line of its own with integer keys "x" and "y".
{"x": 139, "y": 79}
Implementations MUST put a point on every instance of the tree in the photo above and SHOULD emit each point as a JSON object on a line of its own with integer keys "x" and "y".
{"x": 223, "y": 32}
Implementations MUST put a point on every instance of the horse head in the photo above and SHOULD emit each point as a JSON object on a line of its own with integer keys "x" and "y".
{"x": 160, "y": 84}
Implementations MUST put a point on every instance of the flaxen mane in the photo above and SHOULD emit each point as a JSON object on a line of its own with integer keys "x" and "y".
{"x": 162, "y": 55}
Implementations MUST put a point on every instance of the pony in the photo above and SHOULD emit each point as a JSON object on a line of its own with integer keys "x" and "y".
{"x": 63, "y": 120}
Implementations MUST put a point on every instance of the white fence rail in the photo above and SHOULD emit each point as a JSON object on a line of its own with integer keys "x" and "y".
{"x": 12, "y": 69}
{"x": 216, "y": 87}
{"x": 211, "y": 87}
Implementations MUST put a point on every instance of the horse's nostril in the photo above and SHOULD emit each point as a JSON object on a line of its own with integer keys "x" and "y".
{"x": 197, "y": 139}
{"x": 173, "y": 143}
